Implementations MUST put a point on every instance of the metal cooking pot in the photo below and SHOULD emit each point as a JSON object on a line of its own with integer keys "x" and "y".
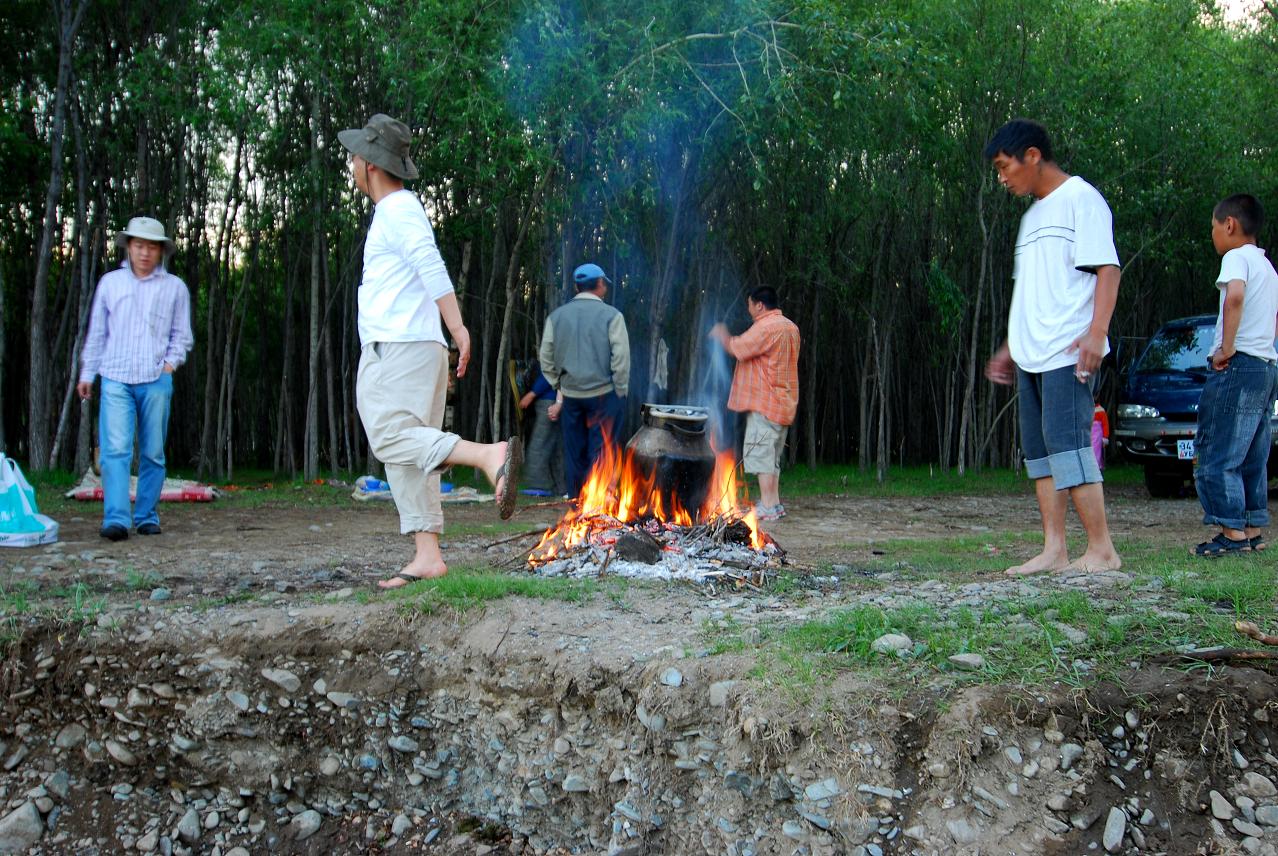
{"x": 673, "y": 446}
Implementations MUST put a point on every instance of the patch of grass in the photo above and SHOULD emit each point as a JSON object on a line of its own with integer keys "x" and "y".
{"x": 135, "y": 580}
{"x": 205, "y": 604}
{"x": 925, "y": 481}
{"x": 15, "y": 598}
{"x": 466, "y": 587}
{"x": 1024, "y": 641}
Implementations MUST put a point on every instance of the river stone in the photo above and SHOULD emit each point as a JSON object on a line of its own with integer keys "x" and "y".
{"x": 1070, "y": 753}
{"x": 1221, "y": 808}
{"x": 188, "y": 828}
{"x": 822, "y": 790}
{"x": 1013, "y": 754}
{"x": 1256, "y": 785}
{"x": 719, "y": 693}
{"x": 121, "y": 754}
{"x": 21, "y": 829}
{"x": 1115, "y": 828}
{"x": 71, "y": 736}
{"x": 283, "y": 679}
{"x": 342, "y": 699}
{"x": 794, "y": 830}
{"x": 147, "y": 843}
{"x": 892, "y": 643}
{"x": 575, "y": 784}
{"x": 962, "y": 832}
{"x": 330, "y": 765}
{"x": 1267, "y": 815}
{"x": 1250, "y": 830}
{"x": 968, "y": 662}
{"x": 305, "y": 824}
{"x": 402, "y": 743}
{"x": 238, "y": 699}
{"x": 672, "y": 677}
{"x": 400, "y": 826}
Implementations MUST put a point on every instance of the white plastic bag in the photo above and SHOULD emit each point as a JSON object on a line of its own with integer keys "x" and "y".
{"x": 21, "y": 523}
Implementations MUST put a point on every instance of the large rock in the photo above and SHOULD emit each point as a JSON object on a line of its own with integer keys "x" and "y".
{"x": 21, "y": 829}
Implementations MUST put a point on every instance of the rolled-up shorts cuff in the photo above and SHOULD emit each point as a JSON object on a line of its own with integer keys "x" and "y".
{"x": 1037, "y": 468}
{"x": 1226, "y": 522}
{"x": 1075, "y": 467}
{"x": 1258, "y": 519}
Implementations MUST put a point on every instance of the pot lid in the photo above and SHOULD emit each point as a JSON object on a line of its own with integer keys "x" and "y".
{"x": 677, "y": 411}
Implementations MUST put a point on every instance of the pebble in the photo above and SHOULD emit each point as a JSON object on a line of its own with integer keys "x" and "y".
{"x": 400, "y": 826}
{"x": 188, "y": 828}
{"x": 120, "y": 753}
{"x": 823, "y": 790}
{"x": 962, "y": 831}
{"x": 403, "y": 743}
{"x": 1267, "y": 815}
{"x": 574, "y": 783}
{"x": 284, "y": 679}
{"x": 1115, "y": 829}
{"x": 672, "y": 677}
{"x": 70, "y": 736}
{"x": 892, "y": 643}
{"x": 1221, "y": 808}
{"x": 1013, "y": 754}
{"x": 968, "y": 662}
{"x": 305, "y": 824}
{"x": 239, "y": 699}
{"x": 1257, "y": 786}
{"x": 1070, "y": 753}
{"x": 719, "y": 692}
{"x": 343, "y": 700}
{"x": 20, "y": 829}
{"x": 159, "y": 594}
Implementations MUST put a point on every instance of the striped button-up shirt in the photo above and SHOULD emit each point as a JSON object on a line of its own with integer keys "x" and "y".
{"x": 137, "y": 326}
{"x": 767, "y": 377}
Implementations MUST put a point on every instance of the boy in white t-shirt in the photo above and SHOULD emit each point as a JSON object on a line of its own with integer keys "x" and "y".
{"x": 1234, "y": 433}
{"x": 1066, "y": 283}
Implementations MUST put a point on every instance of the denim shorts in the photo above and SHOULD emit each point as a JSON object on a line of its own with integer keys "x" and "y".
{"x": 1056, "y": 427}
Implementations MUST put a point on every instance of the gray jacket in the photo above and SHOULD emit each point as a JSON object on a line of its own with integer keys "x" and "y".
{"x": 585, "y": 349}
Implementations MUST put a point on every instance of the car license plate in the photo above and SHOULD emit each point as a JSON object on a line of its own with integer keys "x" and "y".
{"x": 1185, "y": 450}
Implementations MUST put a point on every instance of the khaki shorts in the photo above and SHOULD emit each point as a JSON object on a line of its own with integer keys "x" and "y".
{"x": 764, "y": 443}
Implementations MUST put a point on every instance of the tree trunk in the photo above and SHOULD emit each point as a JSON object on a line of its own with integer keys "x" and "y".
{"x": 310, "y": 465}
{"x": 39, "y": 362}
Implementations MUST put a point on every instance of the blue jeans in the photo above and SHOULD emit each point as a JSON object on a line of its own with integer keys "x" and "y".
{"x": 586, "y": 423}
{"x": 129, "y": 408}
{"x": 1232, "y": 443}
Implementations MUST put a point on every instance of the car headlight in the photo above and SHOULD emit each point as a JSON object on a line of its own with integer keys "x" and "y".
{"x": 1137, "y": 411}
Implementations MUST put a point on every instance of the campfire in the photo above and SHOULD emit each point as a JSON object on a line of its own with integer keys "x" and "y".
{"x": 647, "y": 512}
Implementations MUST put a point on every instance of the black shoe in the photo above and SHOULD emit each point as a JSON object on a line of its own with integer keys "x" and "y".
{"x": 149, "y": 529}
{"x": 114, "y": 532}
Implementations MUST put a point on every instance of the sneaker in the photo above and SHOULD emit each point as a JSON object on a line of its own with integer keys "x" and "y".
{"x": 534, "y": 491}
{"x": 149, "y": 529}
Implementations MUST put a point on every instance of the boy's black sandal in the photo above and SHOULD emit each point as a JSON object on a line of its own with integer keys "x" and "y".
{"x": 1222, "y": 546}
{"x": 1258, "y": 543}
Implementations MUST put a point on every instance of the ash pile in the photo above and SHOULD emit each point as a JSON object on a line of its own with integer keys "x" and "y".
{"x": 668, "y": 506}
{"x": 720, "y": 550}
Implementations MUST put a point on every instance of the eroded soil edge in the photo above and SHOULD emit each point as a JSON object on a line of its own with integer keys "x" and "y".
{"x": 348, "y": 728}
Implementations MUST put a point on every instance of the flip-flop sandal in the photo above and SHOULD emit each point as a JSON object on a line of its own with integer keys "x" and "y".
{"x": 510, "y": 469}
{"x": 408, "y": 579}
{"x": 1257, "y": 543}
{"x": 1222, "y": 546}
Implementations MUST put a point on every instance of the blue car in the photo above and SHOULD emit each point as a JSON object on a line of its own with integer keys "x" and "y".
{"x": 1157, "y": 415}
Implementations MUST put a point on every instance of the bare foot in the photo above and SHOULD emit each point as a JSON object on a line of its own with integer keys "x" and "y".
{"x": 1039, "y": 564}
{"x": 1091, "y": 563}
{"x": 413, "y": 572}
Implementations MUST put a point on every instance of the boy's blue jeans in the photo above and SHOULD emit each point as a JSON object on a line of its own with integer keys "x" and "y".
{"x": 1233, "y": 442}
{"x": 128, "y": 408}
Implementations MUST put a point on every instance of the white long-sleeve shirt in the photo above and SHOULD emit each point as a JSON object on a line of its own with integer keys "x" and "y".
{"x": 404, "y": 275}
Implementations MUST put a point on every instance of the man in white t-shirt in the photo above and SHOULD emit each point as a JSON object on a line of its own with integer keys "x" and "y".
{"x": 405, "y": 300}
{"x": 1234, "y": 434}
{"x": 1066, "y": 283}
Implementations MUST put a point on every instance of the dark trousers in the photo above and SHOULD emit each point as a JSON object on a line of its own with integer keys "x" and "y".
{"x": 587, "y": 423}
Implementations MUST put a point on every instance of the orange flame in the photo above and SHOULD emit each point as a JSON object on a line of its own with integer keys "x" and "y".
{"x": 618, "y": 491}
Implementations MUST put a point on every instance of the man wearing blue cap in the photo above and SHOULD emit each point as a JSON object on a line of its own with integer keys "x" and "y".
{"x": 585, "y": 354}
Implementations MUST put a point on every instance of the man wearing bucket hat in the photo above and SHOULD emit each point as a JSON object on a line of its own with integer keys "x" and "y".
{"x": 585, "y": 354}
{"x": 405, "y": 300}
{"x": 139, "y": 333}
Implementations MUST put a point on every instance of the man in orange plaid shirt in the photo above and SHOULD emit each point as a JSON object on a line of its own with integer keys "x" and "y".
{"x": 765, "y": 387}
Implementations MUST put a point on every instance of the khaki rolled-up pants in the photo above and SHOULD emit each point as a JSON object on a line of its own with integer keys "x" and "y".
{"x": 400, "y": 392}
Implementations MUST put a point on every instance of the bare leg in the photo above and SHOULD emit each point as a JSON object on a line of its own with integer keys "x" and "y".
{"x": 769, "y": 489}
{"x": 1051, "y": 507}
{"x": 1089, "y": 500}
{"x": 486, "y": 456}
{"x": 427, "y": 563}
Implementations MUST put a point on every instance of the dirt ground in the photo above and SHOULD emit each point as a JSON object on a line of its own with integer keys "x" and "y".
{"x": 259, "y": 694}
